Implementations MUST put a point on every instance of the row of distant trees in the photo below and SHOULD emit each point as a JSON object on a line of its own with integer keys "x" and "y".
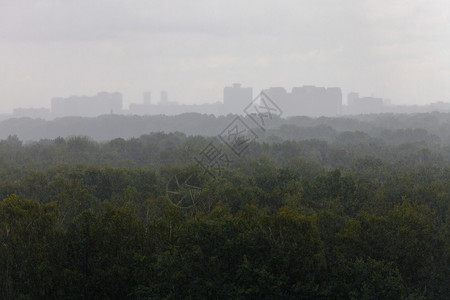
{"x": 428, "y": 127}
{"x": 355, "y": 150}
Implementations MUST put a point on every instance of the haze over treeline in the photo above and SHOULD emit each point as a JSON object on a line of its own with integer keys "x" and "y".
{"x": 436, "y": 126}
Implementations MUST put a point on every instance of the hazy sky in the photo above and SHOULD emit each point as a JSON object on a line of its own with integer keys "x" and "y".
{"x": 192, "y": 49}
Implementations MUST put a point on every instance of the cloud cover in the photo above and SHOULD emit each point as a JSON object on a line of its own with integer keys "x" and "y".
{"x": 393, "y": 49}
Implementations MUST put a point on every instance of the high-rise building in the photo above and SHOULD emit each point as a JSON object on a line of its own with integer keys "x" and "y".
{"x": 307, "y": 100}
{"x": 364, "y": 105}
{"x": 164, "y": 97}
{"x": 352, "y": 98}
{"x": 100, "y": 104}
{"x": 147, "y": 98}
{"x": 236, "y": 98}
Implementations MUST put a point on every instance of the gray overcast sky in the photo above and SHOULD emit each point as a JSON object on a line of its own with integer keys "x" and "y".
{"x": 391, "y": 49}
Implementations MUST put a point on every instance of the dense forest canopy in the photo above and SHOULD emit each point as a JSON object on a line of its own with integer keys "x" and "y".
{"x": 313, "y": 209}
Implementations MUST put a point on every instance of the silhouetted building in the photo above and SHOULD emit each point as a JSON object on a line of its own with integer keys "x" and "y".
{"x": 173, "y": 108}
{"x": 280, "y": 96}
{"x": 307, "y": 100}
{"x": 351, "y": 98}
{"x": 365, "y": 105}
{"x": 100, "y": 104}
{"x": 236, "y": 98}
{"x": 164, "y": 97}
{"x": 147, "y": 98}
{"x": 36, "y": 113}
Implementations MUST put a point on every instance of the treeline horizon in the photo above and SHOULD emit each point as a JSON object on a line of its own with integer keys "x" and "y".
{"x": 108, "y": 127}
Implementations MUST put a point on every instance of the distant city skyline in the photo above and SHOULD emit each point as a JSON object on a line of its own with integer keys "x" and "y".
{"x": 155, "y": 95}
{"x": 306, "y": 100}
{"x": 392, "y": 49}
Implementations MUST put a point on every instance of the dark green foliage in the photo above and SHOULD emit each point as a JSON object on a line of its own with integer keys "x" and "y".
{"x": 86, "y": 220}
